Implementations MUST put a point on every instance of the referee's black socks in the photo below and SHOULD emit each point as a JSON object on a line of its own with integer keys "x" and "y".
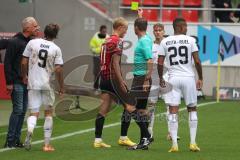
{"x": 141, "y": 120}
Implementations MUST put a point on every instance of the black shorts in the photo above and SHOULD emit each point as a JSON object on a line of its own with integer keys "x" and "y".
{"x": 112, "y": 87}
{"x": 137, "y": 91}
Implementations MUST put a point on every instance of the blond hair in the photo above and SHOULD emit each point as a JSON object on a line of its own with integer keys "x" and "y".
{"x": 26, "y": 22}
{"x": 120, "y": 21}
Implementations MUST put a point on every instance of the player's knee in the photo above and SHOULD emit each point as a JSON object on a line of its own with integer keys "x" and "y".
{"x": 193, "y": 116}
{"x": 192, "y": 106}
{"x": 48, "y": 111}
{"x": 34, "y": 112}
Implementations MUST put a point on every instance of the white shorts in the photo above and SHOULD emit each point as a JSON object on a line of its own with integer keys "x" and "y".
{"x": 185, "y": 86}
{"x": 37, "y": 98}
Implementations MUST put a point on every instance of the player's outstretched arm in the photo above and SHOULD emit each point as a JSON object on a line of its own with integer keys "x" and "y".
{"x": 198, "y": 67}
{"x": 24, "y": 69}
{"x": 117, "y": 70}
{"x": 140, "y": 13}
{"x": 59, "y": 77}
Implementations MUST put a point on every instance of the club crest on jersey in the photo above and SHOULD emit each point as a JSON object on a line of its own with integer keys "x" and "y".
{"x": 120, "y": 45}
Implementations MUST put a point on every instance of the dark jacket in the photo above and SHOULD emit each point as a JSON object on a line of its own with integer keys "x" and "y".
{"x": 3, "y": 43}
{"x": 13, "y": 57}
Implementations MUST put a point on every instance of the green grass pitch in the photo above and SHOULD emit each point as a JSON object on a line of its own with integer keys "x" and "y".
{"x": 218, "y": 137}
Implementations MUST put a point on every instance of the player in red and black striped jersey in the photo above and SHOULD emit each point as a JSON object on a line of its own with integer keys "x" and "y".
{"x": 113, "y": 85}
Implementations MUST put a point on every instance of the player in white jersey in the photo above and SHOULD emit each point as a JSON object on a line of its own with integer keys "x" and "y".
{"x": 158, "y": 31}
{"x": 41, "y": 59}
{"x": 179, "y": 50}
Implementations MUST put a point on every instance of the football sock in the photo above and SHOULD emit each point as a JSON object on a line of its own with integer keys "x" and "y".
{"x": 167, "y": 114}
{"x": 31, "y": 123}
{"x": 48, "y": 125}
{"x": 173, "y": 126}
{"x": 193, "y": 122}
{"x": 141, "y": 122}
{"x": 151, "y": 110}
{"x": 125, "y": 122}
{"x": 99, "y": 125}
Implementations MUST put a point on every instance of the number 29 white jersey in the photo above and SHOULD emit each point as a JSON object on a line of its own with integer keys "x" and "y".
{"x": 178, "y": 51}
{"x": 43, "y": 56}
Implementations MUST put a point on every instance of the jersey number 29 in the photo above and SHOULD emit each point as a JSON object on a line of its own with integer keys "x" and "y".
{"x": 182, "y": 51}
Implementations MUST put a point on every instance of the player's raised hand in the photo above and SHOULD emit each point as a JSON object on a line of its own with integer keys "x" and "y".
{"x": 199, "y": 84}
{"x": 140, "y": 12}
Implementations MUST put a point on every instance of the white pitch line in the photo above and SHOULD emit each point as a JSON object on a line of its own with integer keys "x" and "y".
{"x": 92, "y": 129}
{"x": 24, "y": 129}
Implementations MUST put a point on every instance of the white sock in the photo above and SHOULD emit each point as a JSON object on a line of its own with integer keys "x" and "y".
{"x": 193, "y": 122}
{"x": 31, "y": 123}
{"x": 98, "y": 140}
{"x": 151, "y": 110}
{"x": 48, "y": 125}
{"x": 123, "y": 137}
{"x": 173, "y": 126}
{"x": 167, "y": 114}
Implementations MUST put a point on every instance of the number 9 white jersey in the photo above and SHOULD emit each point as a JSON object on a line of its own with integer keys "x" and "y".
{"x": 178, "y": 51}
{"x": 43, "y": 56}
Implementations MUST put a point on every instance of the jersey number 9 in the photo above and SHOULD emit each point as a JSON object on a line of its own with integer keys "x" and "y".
{"x": 42, "y": 55}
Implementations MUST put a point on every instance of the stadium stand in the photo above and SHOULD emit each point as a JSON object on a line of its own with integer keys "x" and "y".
{"x": 171, "y": 2}
{"x": 169, "y": 15}
{"x": 151, "y": 2}
{"x": 192, "y": 3}
{"x": 151, "y": 14}
{"x": 190, "y": 15}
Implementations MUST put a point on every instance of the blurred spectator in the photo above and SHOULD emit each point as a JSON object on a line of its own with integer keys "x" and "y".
{"x": 223, "y": 16}
{"x": 237, "y": 13}
{"x": 95, "y": 46}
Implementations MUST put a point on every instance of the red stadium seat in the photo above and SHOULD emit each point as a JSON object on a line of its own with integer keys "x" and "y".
{"x": 99, "y": 7}
{"x": 171, "y": 2}
{"x": 128, "y": 2}
{"x": 3, "y": 90}
{"x": 192, "y": 3}
{"x": 151, "y": 14}
{"x": 190, "y": 15}
{"x": 169, "y": 15}
{"x": 151, "y": 2}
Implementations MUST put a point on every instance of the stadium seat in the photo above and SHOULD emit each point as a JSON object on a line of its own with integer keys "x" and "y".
{"x": 3, "y": 90}
{"x": 192, "y": 3}
{"x": 99, "y": 7}
{"x": 150, "y": 14}
{"x": 151, "y": 2}
{"x": 128, "y": 2}
{"x": 169, "y": 15}
{"x": 190, "y": 15}
{"x": 171, "y": 2}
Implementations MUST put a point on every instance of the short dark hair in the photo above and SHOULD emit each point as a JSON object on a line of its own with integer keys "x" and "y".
{"x": 177, "y": 21}
{"x": 141, "y": 23}
{"x": 51, "y": 30}
{"x": 102, "y": 27}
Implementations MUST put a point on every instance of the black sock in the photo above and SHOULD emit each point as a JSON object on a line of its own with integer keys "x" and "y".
{"x": 125, "y": 122}
{"x": 99, "y": 125}
{"x": 141, "y": 122}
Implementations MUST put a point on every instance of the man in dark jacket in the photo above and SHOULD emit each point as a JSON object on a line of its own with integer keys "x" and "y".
{"x": 15, "y": 86}
{"x": 223, "y": 16}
